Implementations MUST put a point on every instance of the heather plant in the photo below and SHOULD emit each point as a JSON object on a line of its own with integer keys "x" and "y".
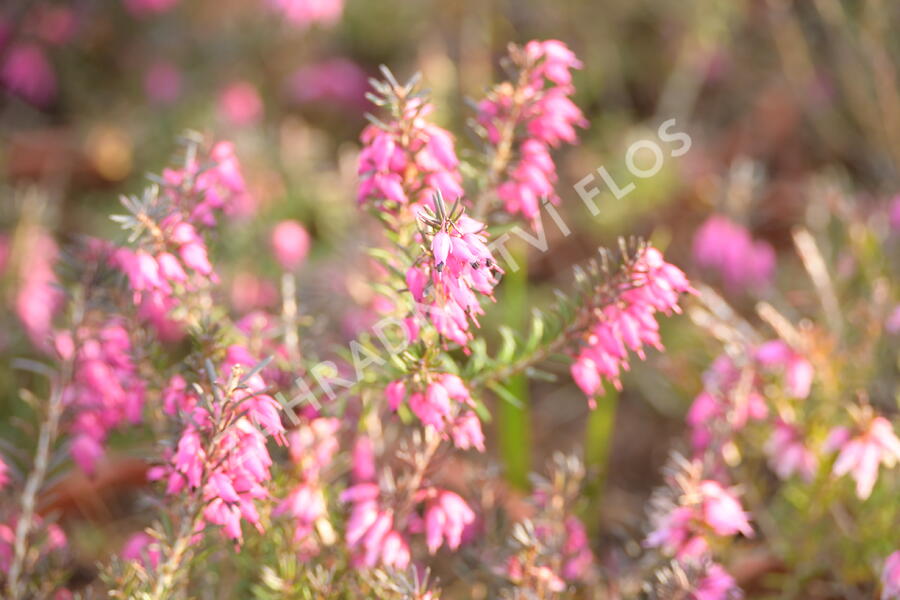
{"x": 288, "y": 464}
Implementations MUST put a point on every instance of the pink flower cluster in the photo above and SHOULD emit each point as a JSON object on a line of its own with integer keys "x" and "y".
{"x": 576, "y": 550}
{"x": 728, "y": 249}
{"x": 222, "y": 454}
{"x": 628, "y": 322}
{"x": 105, "y": 390}
{"x": 312, "y": 447}
{"x": 540, "y": 106}
{"x": 54, "y": 539}
{"x": 732, "y": 396}
{"x": 408, "y": 163}
{"x": 179, "y": 263}
{"x": 862, "y": 450}
{"x": 716, "y": 584}
{"x": 706, "y": 508}
{"x": 375, "y": 533}
{"x": 443, "y": 283}
{"x": 445, "y": 404}
{"x": 789, "y": 454}
{"x": 201, "y": 189}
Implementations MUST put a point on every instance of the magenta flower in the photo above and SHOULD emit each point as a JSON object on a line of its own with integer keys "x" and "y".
{"x": 691, "y": 509}
{"x": 446, "y": 517}
{"x": 727, "y": 248}
{"x": 407, "y": 163}
{"x": 106, "y": 390}
{"x": 539, "y": 106}
{"x": 444, "y": 282}
{"x": 862, "y": 451}
{"x": 576, "y": 550}
{"x": 4, "y": 474}
{"x": 443, "y": 403}
{"x": 27, "y": 73}
{"x": 890, "y": 577}
{"x": 628, "y": 323}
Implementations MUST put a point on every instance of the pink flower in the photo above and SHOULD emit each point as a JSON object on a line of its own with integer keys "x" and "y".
{"x": 106, "y": 390}
{"x": 727, "y": 248}
{"x": 38, "y": 298}
{"x": 628, "y": 322}
{"x": 690, "y": 509}
{"x": 4, "y": 474}
{"x": 163, "y": 83}
{"x": 26, "y": 72}
{"x": 407, "y": 163}
{"x": 444, "y": 283}
{"x": 335, "y": 80}
{"x": 722, "y": 511}
{"x": 304, "y": 13}
{"x": 798, "y": 370}
{"x": 894, "y": 213}
{"x": 547, "y": 115}
{"x": 446, "y": 516}
{"x": 861, "y": 453}
{"x": 890, "y": 577}
{"x": 716, "y": 584}
{"x": 290, "y": 243}
{"x": 466, "y": 432}
{"x": 788, "y": 454}
{"x": 240, "y": 104}
{"x": 142, "y": 548}
{"x": 576, "y": 550}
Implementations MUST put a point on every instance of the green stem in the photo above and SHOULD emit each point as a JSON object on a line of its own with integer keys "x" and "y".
{"x": 598, "y": 436}
{"x": 514, "y": 422}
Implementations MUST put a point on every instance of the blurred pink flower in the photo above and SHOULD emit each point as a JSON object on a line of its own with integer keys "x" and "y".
{"x": 303, "y": 13}
{"x": 53, "y": 24}
{"x": 863, "y": 451}
{"x": 716, "y": 584}
{"x": 335, "y": 80}
{"x": 798, "y": 371}
{"x": 163, "y": 83}
{"x": 38, "y": 298}
{"x": 4, "y": 474}
{"x": 27, "y": 73}
{"x": 788, "y": 455}
{"x": 894, "y": 213}
{"x": 890, "y": 577}
{"x": 727, "y": 248}
{"x": 250, "y": 292}
{"x": 290, "y": 244}
{"x": 240, "y": 103}
{"x": 142, "y": 548}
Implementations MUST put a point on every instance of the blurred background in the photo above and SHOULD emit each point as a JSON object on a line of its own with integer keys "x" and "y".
{"x": 793, "y": 108}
